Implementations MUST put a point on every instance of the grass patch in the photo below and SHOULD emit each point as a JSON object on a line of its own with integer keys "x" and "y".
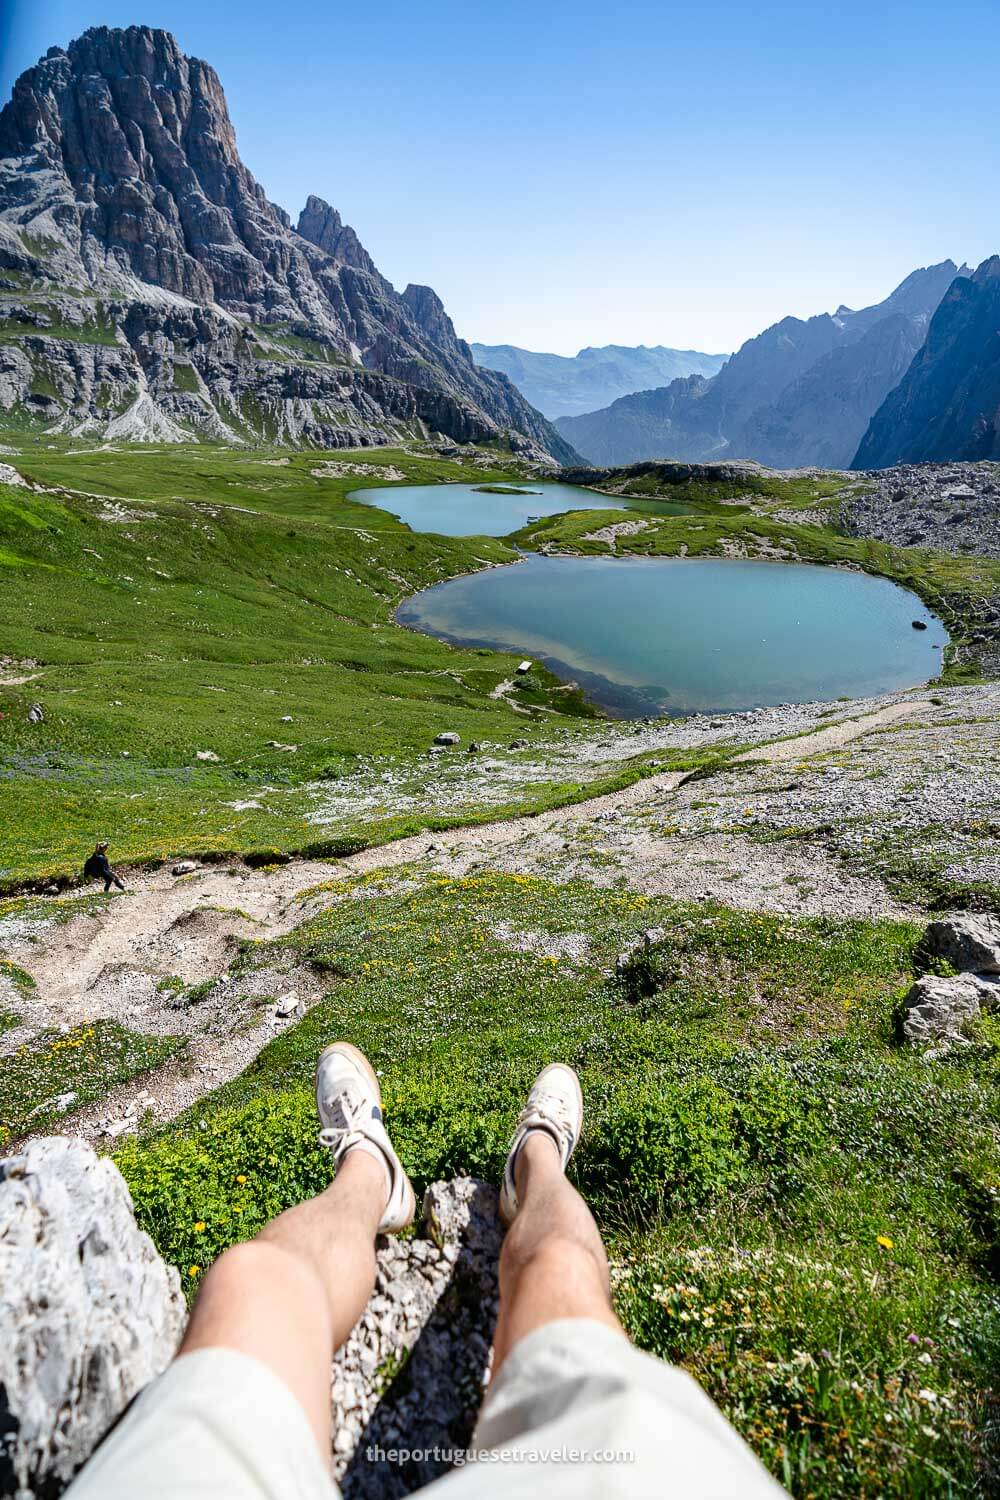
{"x": 84, "y": 1061}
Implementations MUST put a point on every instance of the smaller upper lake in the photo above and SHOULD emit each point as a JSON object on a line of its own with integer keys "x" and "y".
{"x": 481, "y": 509}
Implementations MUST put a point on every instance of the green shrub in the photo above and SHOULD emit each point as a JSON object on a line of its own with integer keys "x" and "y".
{"x": 663, "y": 1146}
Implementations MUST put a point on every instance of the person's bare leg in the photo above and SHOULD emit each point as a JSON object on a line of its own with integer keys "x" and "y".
{"x": 291, "y": 1296}
{"x": 553, "y": 1263}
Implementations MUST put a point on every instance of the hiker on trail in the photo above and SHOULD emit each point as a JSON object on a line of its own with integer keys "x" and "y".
{"x": 573, "y": 1410}
{"x": 98, "y": 868}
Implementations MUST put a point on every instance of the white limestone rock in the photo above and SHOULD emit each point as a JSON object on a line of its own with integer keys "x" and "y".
{"x": 89, "y": 1313}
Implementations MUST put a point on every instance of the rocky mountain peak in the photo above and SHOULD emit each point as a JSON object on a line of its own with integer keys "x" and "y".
{"x": 947, "y": 405}
{"x": 427, "y": 311}
{"x": 123, "y": 195}
{"x": 323, "y": 226}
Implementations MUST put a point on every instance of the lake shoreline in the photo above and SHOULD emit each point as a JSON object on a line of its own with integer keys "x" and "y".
{"x": 854, "y": 641}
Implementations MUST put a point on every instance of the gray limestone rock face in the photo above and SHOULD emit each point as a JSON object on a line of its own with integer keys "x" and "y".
{"x": 171, "y": 297}
{"x": 939, "y": 1010}
{"x": 89, "y": 1313}
{"x": 413, "y": 1372}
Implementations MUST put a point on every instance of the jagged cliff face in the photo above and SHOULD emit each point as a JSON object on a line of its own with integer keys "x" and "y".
{"x": 150, "y": 288}
{"x": 802, "y": 392}
{"x": 947, "y": 406}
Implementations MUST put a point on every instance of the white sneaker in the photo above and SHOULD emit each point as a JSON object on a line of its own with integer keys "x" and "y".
{"x": 349, "y": 1102}
{"x": 554, "y": 1105}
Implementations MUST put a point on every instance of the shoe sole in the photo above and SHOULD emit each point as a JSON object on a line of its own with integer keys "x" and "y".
{"x": 358, "y": 1057}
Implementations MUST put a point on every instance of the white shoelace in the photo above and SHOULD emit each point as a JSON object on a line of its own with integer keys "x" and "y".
{"x": 551, "y": 1111}
{"x": 347, "y": 1108}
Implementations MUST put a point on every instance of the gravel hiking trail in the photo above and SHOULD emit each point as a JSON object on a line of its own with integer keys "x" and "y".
{"x": 111, "y": 962}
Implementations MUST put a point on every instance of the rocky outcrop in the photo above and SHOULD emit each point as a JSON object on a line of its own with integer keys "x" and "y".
{"x": 952, "y": 507}
{"x": 947, "y": 406}
{"x": 939, "y": 1009}
{"x": 968, "y": 942}
{"x": 413, "y": 1372}
{"x": 323, "y": 226}
{"x": 800, "y": 393}
{"x": 89, "y": 1313}
{"x": 147, "y": 283}
{"x": 666, "y": 473}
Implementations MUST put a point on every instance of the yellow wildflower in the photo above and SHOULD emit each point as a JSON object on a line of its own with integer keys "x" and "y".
{"x": 199, "y": 1228}
{"x": 240, "y": 1178}
{"x": 194, "y": 1270}
{"x": 884, "y": 1241}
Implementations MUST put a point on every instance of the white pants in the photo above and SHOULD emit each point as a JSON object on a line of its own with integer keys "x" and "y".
{"x": 575, "y": 1411}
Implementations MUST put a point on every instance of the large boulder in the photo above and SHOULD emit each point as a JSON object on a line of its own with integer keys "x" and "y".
{"x": 967, "y": 941}
{"x": 938, "y": 1010}
{"x": 89, "y": 1313}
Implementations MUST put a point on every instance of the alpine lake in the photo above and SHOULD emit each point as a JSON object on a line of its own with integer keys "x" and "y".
{"x": 646, "y": 636}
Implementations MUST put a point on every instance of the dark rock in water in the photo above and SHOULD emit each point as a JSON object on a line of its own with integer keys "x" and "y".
{"x": 89, "y": 1313}
{"x": 919, "y": 624}
{"x": 120, "y": 179}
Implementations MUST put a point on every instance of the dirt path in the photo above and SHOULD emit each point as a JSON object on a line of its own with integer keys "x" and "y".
{"x": 107, "y": 964}
{"x": 509, "y": 831}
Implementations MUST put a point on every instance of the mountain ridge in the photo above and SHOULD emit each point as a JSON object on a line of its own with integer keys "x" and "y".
{"x": 947, "y": 405}
{"x": 566, "y": 385}
{"x": 799, "y": 393}
{"x": 150, "y": 286}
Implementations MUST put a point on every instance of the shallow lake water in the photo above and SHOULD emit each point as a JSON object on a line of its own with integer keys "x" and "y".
{"x": 672, "y": 635}
{"x": 471, "y": 510}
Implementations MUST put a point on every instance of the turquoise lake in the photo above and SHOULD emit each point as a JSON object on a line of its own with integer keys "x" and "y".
{"x": 468, "y": 510}
{"x": 668, "y": 635}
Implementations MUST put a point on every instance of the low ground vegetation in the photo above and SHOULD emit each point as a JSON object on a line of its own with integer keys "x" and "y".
{"x": 797, "y": 1210}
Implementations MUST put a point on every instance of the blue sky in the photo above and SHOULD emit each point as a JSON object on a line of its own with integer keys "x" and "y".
{"x": 580, "y": 173}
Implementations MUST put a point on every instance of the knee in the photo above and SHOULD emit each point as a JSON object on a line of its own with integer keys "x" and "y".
{"x": 559, "y": 1258}
{"x": 244, "y": 1270}
{"x": 241, "y": 1265}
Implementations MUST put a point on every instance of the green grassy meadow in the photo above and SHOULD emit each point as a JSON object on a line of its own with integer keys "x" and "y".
{"x": 800, "y": 1212}
{"x": 223, "y": 623}
{"x": 226, "y": 606}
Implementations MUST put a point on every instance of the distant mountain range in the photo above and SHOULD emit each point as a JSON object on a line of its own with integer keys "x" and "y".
{"x": 802, "y": 392}
{"x": 150, "y": 290}
{"x": 560, "y": 385}
{"x": 947, "y": 405}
